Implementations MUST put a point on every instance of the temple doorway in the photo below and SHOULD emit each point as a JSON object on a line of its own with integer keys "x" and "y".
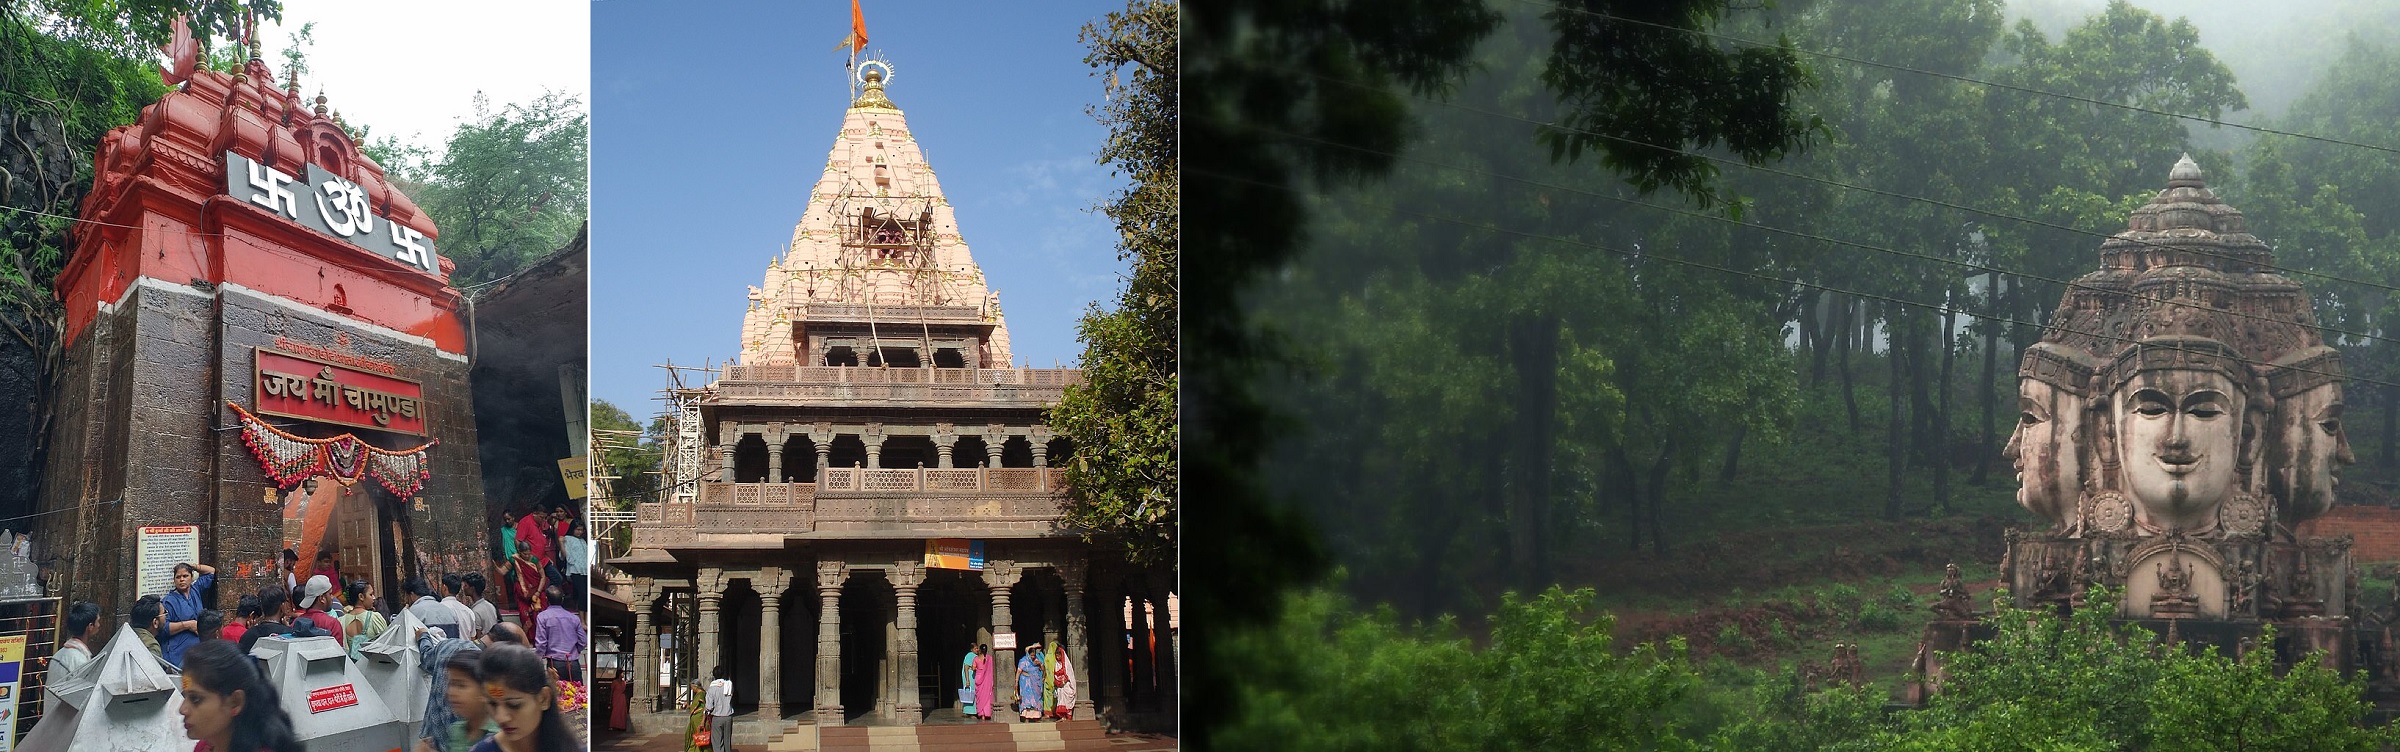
{"x": 954, "y": 614}
{"x": 867, "y": 663}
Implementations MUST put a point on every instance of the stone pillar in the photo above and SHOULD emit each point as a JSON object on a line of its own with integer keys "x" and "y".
{"x": 771, "y": 583}
{"x": 1000, "y": 576}
{"x": 1161, "y": 584}
{"x": 994, "y": 436}
{"x": 645, "y": 645}
{"x": 830, "y": 576}
{"x": 945, "y": 444}
{"x": 1071, "y": 572}
{"x": 727, "y": 436}
{"x": 711, "y": 585}
{"x": 906, "y": 576}
{"x": 1039, "y": 439}
{"x": 775, "y": 457}
{"x": 823, "y": 438}
{"x": 873, "y": 438}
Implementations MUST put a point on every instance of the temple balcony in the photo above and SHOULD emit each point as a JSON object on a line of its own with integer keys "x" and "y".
{"x": 905, "y": 387}
{"x": 893, "y": 314}
{"x": 859, "y": 502}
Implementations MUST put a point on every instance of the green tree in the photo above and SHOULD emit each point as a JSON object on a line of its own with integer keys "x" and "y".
{"x": 634, "y": 459}
{"x": 1122, "y": 422}
{"x": 511, "y": 186}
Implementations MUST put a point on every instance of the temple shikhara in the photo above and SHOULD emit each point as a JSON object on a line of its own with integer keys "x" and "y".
{"x": 2181, "y": 422}
{"x": 868, "y": 491}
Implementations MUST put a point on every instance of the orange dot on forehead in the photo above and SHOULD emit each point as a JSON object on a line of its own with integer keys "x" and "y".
{"x": 495, "y": 690}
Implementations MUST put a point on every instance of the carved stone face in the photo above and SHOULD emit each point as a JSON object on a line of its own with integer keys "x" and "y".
{"x": 2179, "y": 434}
{"x": 2043, "y": 449}
{"x": 2310, "y": 447}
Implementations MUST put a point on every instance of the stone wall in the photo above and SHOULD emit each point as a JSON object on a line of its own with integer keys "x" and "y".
{"x": 141, "y": 418}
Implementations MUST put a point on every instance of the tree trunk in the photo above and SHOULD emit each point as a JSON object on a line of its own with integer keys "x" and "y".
{"x": 1533, "y": 347}
{"x": 1991, "y": 378}
{"x": 1817, "y": 333}
{"x": 1849, "y": 342}
{"x": 1658, "y": 496}
{"x": 1622, "y": 465}
{"x": 1733, "y": 454}
{"x": 1941, "y": 410}
{"x": 2391, "y": 428}
{"x": 1896, "y": 453}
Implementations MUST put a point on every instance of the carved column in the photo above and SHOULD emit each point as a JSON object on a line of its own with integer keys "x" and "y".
{"x": 873, "y": 438}
{"x": 645, "y": 645}
{"x": 711, "y": 585}
{"x": 771, "y": 583}
{"x": 1071, "y": 572}
{"x": 774, "y": 438}
{"x": 994, "y": 437}
{"x": 823, "y": 438}
{"x": 906, "y": 576}
{"x": 1039, "y": 440}
{"x": 830, "y": 576}
{"x": 944, "y": 444}
{"x": 727, "y": 436}
{"x": 1000, "y": 576}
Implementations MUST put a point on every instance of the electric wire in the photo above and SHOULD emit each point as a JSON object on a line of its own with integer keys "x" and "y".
{"x": 1638, "y": 255}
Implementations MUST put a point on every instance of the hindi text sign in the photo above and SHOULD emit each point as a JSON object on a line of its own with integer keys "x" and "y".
{"x": 954, "y": 553}
{"x": 294, "y": 386}
{"x": 156, "y": 551}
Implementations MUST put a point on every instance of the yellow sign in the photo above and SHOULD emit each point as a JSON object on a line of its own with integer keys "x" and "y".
{"x": 954, "y": 553}
{"x": 577, "y": 472}
{"x": 12, "y": 666}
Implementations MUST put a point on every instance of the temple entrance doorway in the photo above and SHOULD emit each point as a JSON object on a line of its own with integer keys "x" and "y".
{"x": 867, "y": 605}
{"x": 954, "y": 614}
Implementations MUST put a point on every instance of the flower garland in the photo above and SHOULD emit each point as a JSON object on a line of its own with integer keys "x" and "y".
{"x": 290, "y": 459}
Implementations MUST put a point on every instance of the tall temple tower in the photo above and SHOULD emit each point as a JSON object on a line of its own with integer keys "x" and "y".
{"x": 877, "y": 272}
{"x": 867, "y": 493}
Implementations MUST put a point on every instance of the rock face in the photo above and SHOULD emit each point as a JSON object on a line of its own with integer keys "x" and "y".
{"x": 2180, "y": 416}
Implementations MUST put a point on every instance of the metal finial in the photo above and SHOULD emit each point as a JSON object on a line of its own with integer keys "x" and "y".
{"x": 320, "y": 103}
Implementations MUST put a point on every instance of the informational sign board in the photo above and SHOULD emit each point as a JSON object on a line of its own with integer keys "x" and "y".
{"x": 156, "y": 551}
{"x": 330, "y": 205}
{"x": 954, "y": 553}
{"x": 297, "y": 386}
{"x": 1004, "y": 641}
{"x": 576, "y": 470}
{"x": 334, "y": 697}
{"x": 12, "y": 668}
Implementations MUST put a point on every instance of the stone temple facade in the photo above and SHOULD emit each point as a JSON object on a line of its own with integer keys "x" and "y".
{"x": 2181, "y": 417}
{"x": 874, "y": 417}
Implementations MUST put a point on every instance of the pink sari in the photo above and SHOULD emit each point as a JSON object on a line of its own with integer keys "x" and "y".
{"x": 983, "y": 685}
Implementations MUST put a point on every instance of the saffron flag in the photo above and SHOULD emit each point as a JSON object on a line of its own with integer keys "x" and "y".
{"x": 858, "y": 30}
{"x": 183, "y": 54}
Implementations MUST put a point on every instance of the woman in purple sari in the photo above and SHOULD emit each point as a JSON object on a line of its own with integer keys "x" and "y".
{"x": 1029, "y": 684}
{"x": 983, "y": 682}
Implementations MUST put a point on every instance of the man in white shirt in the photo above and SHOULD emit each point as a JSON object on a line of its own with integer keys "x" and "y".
{"x": 486, "y": 615}
{"x": 83, "y": 624}
{"x": 431, "y": 612}
{"x": 451, "y": 584}
{"x": 720, "y": 712}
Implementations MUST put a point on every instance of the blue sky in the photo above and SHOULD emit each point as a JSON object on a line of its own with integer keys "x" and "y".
{"x": 711, "y": 122}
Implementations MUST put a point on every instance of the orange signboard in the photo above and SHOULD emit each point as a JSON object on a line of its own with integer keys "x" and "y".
{"x": 295, "y": 386}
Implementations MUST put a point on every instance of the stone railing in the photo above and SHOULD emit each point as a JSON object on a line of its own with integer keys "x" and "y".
{"x": 1027, "y": 480}
{"x": 855, "y": 499}
{"x": 787, "y": 373}
{"x": 892, "y": 313}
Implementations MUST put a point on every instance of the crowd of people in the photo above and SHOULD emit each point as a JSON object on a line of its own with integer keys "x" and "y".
{"x": 498, "y": 684}
{"x": 1045, "y": 684}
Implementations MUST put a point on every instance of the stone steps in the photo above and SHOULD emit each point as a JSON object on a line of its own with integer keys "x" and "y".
{"x": 1066, "y": 736}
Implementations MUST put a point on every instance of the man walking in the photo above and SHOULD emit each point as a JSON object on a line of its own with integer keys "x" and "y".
{"x": 720, "y": 712}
